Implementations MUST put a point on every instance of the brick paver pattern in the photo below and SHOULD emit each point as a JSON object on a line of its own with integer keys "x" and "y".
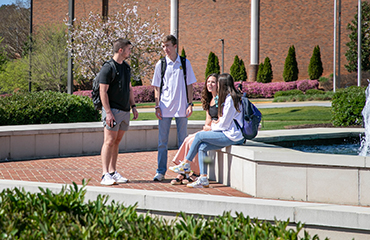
{"x": 138, "y": 167}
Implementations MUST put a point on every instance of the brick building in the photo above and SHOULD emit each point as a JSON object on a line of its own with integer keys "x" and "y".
{"x": 283, "y": 23}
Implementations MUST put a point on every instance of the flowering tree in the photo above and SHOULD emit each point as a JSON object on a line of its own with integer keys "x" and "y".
{"x": 93, "y": 37}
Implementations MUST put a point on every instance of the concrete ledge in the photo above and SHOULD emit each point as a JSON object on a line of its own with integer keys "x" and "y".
{"x": 73, "y": 139}
{"x": 350, "y": 219}
{"x": 269, "y": 171}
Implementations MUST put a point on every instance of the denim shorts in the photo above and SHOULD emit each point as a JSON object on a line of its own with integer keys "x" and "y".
{"x": 122, "y": 119}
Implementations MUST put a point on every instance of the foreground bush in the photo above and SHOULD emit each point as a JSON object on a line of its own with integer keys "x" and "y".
{"x": 347, "y": 106}
{"x": 65, "y": 215}
{"x": 45, "y": 107}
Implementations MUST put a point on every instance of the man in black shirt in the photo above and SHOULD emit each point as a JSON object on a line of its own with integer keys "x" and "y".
{"x": 117, "y": 97}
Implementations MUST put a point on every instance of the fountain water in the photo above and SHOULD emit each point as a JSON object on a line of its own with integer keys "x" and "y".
{"x": 365, "y": 142}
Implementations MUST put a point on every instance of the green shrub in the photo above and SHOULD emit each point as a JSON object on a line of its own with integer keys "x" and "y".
{"x": 314, "y": 91}
{"x": 213, "y": 65}
{"x": 235, "y": 68}
{"x": 315, "y": 68}
{"x": 66, "y": 215}
{"x": 264, "y": 74}
{"x": 183, "y": 54}
{"x": 46, "y": 107}
{"x": 323, "y": 79}
{"x": 291, "y": 71}
{"x": 288, "y": 93}
{"x": 347, "y": 105}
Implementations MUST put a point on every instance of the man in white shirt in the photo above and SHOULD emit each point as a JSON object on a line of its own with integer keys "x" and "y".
{"x": 173, "y": 98}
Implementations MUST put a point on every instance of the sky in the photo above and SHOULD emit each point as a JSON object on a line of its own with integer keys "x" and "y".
{"x": 2, "y": 2}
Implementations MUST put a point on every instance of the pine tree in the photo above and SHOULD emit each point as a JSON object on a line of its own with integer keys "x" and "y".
{"x": 351, "y": 53}
{"x": 235, "y": 69}
{"x": 315, "y": 69}
{"x": 260, "y": 73}
{"x": 243, "y": 72}
{"x": 212, "y": 65}
{"x": 290, "y": 66}
{"x": 264, "y": 74}
{"x": 183, "y": 54}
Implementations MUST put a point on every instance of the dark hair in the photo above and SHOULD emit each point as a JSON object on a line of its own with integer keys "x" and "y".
{"x": 170, "y": 38}
{"x": 120, "y": 43}
{"x": 206, "y": 95}
{"x": 225, "y": 87}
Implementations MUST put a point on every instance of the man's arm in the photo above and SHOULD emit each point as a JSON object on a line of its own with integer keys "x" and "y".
{"x": 189, "y": 110}
{"x": 132, "y": 104}
{"x": 105, "y": 102}
{"x": 158, "y": 112}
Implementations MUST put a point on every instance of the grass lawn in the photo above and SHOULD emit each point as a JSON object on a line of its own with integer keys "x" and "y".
{"x": 274, "y": 118}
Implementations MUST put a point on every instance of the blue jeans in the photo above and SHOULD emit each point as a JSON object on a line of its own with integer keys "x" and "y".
{"x": 164, "y": 130}
{"x": 205, "y": 141}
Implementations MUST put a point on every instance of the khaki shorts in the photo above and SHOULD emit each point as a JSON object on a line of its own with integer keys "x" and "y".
{"x": 122, "y": 120}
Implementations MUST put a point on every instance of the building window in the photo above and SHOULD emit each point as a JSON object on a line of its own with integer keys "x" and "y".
{"x": 105, "y": 9}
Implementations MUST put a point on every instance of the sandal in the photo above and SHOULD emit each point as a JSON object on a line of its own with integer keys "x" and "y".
{"x": 179, "y": 179}
{"x": 193, "y": 177}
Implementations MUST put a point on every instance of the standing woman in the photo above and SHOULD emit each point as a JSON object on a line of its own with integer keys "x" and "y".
{"x": 210, "y": 105}
{"x": 224, "y": 131}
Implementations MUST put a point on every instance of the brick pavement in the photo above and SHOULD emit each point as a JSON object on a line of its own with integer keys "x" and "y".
{"x": 138, "y": 167}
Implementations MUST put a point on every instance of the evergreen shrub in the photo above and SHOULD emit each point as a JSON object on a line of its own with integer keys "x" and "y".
{"x": 67, "y": 215}
{"x": 291, "y": 71}
{"x": 347, "y": 105}
{"x": 293, "y": 92}
{"x": 238, "y": 70}
{"x": 315, "y": 68}
{"x": 213, "y": 65}
{"x": 264, "y": 74}
{"x": 46, "y": 107}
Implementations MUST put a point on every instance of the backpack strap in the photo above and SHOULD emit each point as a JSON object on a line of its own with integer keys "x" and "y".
{"x": 163, "y": 70}
{"x": 114, "y": 71}
{"x": 183, "y": 63}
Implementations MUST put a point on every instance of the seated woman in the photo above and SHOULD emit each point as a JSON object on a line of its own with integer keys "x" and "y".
{"x": 210, "y": 105}
{"x": 224, "y": 131}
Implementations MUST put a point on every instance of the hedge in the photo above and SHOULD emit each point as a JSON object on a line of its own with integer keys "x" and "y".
{"x": 253, "y": 89}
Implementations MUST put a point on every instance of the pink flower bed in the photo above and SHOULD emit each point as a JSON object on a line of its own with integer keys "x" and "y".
{"x": 253, "y": 89}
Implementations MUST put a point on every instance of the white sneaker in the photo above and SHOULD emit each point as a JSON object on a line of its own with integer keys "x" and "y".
{"x": 181, "y": 168}
{"x": 202, "y": 182}
{"x": 158, "y": 177}
{"x": 118, "y": 178}
{"x": 107, "y": 180}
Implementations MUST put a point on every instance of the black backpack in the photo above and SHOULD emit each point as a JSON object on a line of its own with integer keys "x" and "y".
{"x": 251, "y": 119}
{"x": 163, "y": 70}
{"x": 95, "y": 94}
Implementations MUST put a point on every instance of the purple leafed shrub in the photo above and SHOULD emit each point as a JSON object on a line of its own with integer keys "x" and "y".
{"x": 83, "y": 93}
{"x": 143, "y": 94}
{"x": 197, "y": 89}
{"x": 253, "y": 89}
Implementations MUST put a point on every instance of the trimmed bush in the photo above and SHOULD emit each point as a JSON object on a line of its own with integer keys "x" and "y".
{"x": 293, "y": 92}
{"x": 183, "y": 54}
{"x": 323, "y": 79}
{"x": 235, "y": 69}
{"x": 265, "y": 74}
{"x": 66, "y": 215}
{"x": 290, "y": 66}
{"x": 315, "y": 68}
{"x": 213, "y": 65}
{"x": 46, "y": 107}
{"x": 238, "y": 70}
{"x": 314, "y": 91}
{"x": 347, "y": 105}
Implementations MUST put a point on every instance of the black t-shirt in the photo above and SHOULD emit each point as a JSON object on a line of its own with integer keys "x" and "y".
{"x": 118, "y": 97}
